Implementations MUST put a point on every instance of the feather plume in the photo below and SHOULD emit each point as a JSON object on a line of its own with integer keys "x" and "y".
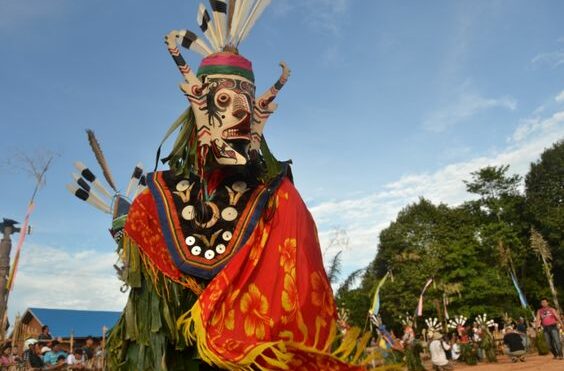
{"x": 254, "y": 14}
{"x": 90, "y": 192}
{"x": 89, "y": 176}
{"x": 87, "y": 197}
{"x": 207, "y": 27}
{"x": 81, "y": 182}
{"x": 100, "y": 158}
{"x": 230, "y": 11}
{"x": 219, "y": 10}
{"x": 240, "y": 11}
{"x": 192, "y": 42}
{"x": 135, "y": 177}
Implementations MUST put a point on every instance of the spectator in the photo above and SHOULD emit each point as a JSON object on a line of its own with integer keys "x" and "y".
{"x": 89, "y": 348}
{"x": 45, "y": 333}
{"x": 29, "y": 348}
{"x": 438, "y": 349}
{"x": 75, "y": 361}
{"x": 548, "y": 318}
{"x": 521, "y": 326}
{"x": 455, "y": 346}
{"x": 35, "y": 362}
{"x": 61, "y": 361}
{"x": 15, "y": 353}
{"x": 52, "y": 356}
{"x": 44, "y": 351}
{"x": 514, "y": 342}
{"x": 6, "y": 359}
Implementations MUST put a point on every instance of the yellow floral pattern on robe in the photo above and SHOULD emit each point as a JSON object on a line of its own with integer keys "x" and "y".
{"x": 271, "y": 307}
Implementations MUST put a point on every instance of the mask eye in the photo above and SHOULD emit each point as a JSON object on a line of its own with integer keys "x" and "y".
{"x": 223, "y": 100}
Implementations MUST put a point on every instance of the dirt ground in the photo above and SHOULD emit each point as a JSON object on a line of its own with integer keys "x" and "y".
{"x": 532, "y": 362}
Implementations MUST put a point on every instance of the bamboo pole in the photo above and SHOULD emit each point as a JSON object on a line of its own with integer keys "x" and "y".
{"x": 16, "y": 332}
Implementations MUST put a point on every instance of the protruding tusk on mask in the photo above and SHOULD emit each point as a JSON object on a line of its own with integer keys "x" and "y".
{"x": 265, "y": 106}
{"x": 267, "y": 97}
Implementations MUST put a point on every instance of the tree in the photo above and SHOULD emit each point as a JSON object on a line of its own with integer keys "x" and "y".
{"x": 472, "y": 251}
{"x": 503, "y": 226}
{"x": 544, "y": 191}
{"x": 540, "y": 247}
{"x": 441, "y": 242}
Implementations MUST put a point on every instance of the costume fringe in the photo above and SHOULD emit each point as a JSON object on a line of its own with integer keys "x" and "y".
{"x": 192, "y": 328}
{"x": 152, "y": 271}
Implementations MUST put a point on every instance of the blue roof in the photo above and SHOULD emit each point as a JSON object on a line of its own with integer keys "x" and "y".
{"x": 82, "y": 323}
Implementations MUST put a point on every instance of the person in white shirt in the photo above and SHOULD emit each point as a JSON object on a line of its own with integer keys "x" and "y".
{"x": 75, "y": 361}
{"x": 437, "y": 348}
{"x": 455, "y": 347}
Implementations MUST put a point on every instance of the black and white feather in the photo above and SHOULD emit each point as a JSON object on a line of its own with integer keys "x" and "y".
{"x": 87, "y": 187}
{"x": 192, "y": 42}
{"x": 229, "y": 24}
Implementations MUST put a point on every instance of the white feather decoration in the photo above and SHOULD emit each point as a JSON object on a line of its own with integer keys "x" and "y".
{"x": 241, "y": 10}
{"x": 88, "y": 197}
{"x": 207, "y": 27}
{"x": 198, "y": 45}
{"x": 219, "y": 20}
{"x": 254, "y": 14}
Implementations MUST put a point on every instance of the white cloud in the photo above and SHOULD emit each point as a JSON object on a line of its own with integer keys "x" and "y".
{"x": 560, "y": 97}
{"x": 364, "y": 217}
{"x": 55, "y": 278}
{"x": 550, "y": 59}
{"x": 465, "y": 104}
{"x": 530, "y": 126}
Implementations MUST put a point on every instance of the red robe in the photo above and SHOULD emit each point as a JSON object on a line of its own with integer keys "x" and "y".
{"x": 271, "y": 306}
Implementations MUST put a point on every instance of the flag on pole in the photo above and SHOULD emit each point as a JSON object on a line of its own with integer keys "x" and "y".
{"x": 376, "y": 301}
{"x": 419, "y": 310}
{"x": 21, "y": 239}
{"x": 522, "y": 297}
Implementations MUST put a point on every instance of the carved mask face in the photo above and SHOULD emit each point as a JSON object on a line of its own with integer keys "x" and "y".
{"x": 229, "y": 109}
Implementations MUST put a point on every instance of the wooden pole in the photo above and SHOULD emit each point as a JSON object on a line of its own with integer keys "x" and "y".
{"x": 104, "y": 329}
{"x": 8, "y": 228}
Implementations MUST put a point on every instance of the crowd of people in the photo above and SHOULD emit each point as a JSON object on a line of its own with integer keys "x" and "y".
{"x": 481, "y": 341}
{"x": 47, "y": 353}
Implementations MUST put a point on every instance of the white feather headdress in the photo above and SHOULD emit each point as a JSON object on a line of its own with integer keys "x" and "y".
{"x": 229, "y": 24}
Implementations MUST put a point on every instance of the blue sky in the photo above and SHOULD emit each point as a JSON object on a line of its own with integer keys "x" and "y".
{"x": 387, "y": 101}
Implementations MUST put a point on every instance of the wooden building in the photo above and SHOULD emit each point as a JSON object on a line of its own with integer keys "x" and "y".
{"x": 70, "y": 326}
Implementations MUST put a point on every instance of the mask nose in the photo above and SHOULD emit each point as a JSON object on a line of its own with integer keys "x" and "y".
{"x": 240, "y": 106}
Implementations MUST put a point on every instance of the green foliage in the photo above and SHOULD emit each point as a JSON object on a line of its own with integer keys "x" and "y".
{"x": 540, "y": 344}
{"x": 356, "y": 301}
{"x": 469, "y": 250}
{"x": 492, "y": 183}
{"x": 146, "y": 336}
{"x": 469, "y": 354}
{"x": 544, "y": 190}
{"x": 334, "y": 269}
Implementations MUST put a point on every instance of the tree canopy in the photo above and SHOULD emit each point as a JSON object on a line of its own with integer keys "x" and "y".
{"x": 475, "y": 252}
